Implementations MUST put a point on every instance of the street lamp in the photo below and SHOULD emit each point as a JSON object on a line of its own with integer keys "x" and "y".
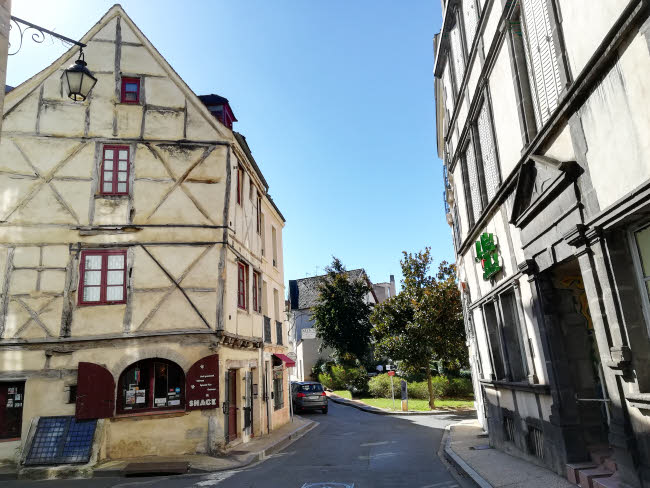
{"x": 77, "y": 79}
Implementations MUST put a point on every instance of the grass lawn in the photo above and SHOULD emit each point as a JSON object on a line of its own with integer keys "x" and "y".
{"x": 419, "y": 405}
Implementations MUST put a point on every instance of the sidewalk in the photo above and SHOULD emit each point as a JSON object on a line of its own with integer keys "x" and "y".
{"x": 383, "y": 411}
{"x": 465, "y": 447}
{"x": 235, "y": 458}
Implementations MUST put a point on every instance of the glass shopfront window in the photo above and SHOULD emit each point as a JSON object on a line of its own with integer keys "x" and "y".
{"x": 151, "y": 384}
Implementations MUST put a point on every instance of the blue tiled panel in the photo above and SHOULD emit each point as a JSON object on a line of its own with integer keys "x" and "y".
{"x": 61, "y": 440}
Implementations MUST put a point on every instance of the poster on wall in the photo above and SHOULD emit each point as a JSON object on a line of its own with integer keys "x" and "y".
{"x": 140, "y": 396}
{"x": 129, "y": 397}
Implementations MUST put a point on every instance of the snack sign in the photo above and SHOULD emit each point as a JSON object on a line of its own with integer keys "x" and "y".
{"x": 487, "y": 255}
{"x": 203, "y": 384}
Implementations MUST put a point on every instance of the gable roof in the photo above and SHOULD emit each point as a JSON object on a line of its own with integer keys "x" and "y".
{"x": 303, "y": 293}
{"x": 23, "y": 90}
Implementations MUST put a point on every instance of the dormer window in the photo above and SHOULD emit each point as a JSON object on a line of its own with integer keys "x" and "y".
{"x": 219, "y": 108}
{"x": 130, "y": 90}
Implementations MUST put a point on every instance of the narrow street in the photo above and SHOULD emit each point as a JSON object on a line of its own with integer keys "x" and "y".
{"x": 348, "y": 446}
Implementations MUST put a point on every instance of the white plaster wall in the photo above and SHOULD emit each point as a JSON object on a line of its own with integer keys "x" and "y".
{"x": 583, "y": 33}
{"x": 504, "y": 110}
{"x": 615, "y": 130}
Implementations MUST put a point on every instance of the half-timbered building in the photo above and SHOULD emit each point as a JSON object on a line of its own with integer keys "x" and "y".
{"x": 141, "y": 266}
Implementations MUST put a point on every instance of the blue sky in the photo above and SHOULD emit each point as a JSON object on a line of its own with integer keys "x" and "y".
{"x": 336, "y": 101}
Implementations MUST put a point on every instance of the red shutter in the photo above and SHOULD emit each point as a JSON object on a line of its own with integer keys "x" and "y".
{"x": 202, "y": 384}
{"x": 95, "y": 392}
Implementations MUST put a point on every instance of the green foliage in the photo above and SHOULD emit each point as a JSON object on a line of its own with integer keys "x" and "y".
{"x": 326, "y": 380}
{"x": 341, "y": 316}
{"x": 418, "y": 390}
{"x": 440, "y": 386}
{"x": 424, "y": 322}
{"x": 460, "y": 388}
{"x": 354, "y": 379}
{"x": 379, "y": 386}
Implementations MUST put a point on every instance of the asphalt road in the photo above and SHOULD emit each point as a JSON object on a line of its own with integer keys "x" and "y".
{"x": 348, "y": 446}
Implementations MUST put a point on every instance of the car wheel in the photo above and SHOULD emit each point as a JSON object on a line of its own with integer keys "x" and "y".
{"x": 325, "y": 410}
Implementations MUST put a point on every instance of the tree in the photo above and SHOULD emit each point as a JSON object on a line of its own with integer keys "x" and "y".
{"x": 342, "y": 314}
{"x": 424, "y": 322}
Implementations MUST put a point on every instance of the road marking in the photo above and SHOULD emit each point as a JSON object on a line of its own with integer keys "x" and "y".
{"x": 215, "y": 478}
{"x": 328, "y": 484}
{"x": 382, "y": 443}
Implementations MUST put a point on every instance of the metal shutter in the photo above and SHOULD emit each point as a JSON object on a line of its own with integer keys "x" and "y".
{"x": 545, "y": 69}
{"x": 471, "y": 21}
{"x": 488, "y": 152}
{"x": 472, "y": 179}
{"x": 449, "y": 90}
{"x": 457, "y": 53}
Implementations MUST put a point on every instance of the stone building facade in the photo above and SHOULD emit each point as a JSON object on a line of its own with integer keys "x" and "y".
{"x": 542, "y": 125}
{"x": 141, "y": 257}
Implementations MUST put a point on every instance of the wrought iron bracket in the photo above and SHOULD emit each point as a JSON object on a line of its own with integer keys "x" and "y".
{"x": 39, "y": 36}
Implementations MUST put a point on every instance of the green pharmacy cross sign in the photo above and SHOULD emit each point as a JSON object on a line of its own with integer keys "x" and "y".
{"x": 487, "y": 255}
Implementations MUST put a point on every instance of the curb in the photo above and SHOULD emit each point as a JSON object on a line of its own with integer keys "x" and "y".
{"x": 459, "y": 463}
{"x": 379, "y": 411}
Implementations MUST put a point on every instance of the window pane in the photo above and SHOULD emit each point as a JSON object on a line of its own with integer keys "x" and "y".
{"x": 121, "y": 187}
{"x": 108, "y": 176}
{"x": 131, "y": 87}
{"x": 108, "y": 154}
{"x": 123, "y": 154}
{"x": 643, "y": 243}
{"x": 135, "y": 387}
{"x": 93, "y": 262}
{"x": 116, "y": 261}
{"x": 115, "y": 293}
{"x": 160, "y": 385}
{"x": 91, "y": 294}
{"x": 92, "y": 277}
{"x": 115, "y": 277}
{"x": 121, "y": 176}
{"x": 511, "y": 336}
{"x": 121, "y": 165}
{"x": 130, "y": 96}
{"x": 108, "y": 164}
{"x": 108, "y": 187}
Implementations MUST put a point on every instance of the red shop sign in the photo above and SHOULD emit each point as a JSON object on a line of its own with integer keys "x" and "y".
{"x": 202, "y": 384}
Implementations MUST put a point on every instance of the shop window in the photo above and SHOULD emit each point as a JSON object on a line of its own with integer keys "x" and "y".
{"x": 130, "y": 90}
{"x": 12, "y": 397}
{"x": 102, "y": 277}
{"x": 242, "y": 286}
{"x": 511, "y": 336}
{"x": 114, "y": 173}
{"x": 278, "y": 387}
{"x": 641, "y": 255}
{"x": 151, "y": 385}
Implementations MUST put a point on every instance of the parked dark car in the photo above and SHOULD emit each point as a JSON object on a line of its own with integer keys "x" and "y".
{"x": 308, "y": 395}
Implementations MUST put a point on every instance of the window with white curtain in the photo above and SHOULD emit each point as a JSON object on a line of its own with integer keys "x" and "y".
{"x": 488, "y": 152}
{"x": 457, "y": 52}
{"x": 470, "y": 11}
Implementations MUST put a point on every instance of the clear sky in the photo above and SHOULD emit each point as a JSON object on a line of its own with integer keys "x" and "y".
{"x": 335, "y": 98}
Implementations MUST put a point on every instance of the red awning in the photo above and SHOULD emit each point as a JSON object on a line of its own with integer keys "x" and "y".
{"x": 286, "y": 360}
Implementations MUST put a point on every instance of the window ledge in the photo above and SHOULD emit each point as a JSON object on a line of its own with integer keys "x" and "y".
{"x": 170, "y": 413}
{"x": 639, "y": 400}
{"x": 10, "y": 439}
{"x": 519, "y": 386}
{"x": 111, "y": 197}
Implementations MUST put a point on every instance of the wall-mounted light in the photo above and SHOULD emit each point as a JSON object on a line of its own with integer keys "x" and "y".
{"x": 78, "y": 79}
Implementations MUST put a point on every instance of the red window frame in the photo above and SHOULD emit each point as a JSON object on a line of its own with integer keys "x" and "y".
{"x": 125, "y": 81}
{"x": 242, "y": 285}
{"x": 256, "y": 298}
{"x": 114, "y": 170}
{"x": 150, "y": 363}
{"x": 103, "y": 285}
{"x": 240, "y": 183}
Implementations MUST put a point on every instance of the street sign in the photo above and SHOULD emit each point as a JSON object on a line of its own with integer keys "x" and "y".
{"x": 308, "y": 333}
{"x": 391, "y": 373}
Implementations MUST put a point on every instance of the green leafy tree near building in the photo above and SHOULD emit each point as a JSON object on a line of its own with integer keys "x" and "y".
{"x": 342, "y": 314}
{"x": 424, "y": 322}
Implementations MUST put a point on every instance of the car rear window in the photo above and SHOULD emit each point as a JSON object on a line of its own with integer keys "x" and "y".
{"x": 315, "y": 388}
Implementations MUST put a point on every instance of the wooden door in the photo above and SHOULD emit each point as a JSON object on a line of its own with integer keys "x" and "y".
{"x": 95, "y": 392}
{"x": 232, "y": 404}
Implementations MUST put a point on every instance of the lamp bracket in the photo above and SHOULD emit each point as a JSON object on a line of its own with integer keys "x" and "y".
{"x": 39, "y": 36}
